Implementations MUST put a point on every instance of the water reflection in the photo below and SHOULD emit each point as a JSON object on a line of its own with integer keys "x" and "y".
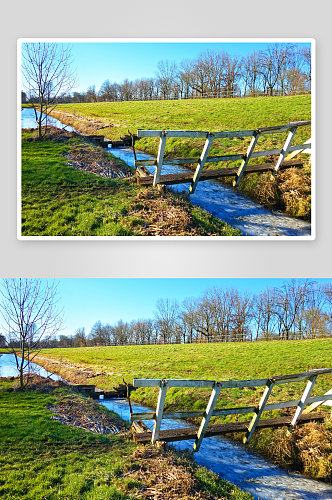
{"x": 28, "y": 120}
{"x": 8, "y": 368}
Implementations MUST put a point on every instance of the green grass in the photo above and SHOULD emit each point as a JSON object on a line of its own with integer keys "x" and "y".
{"x": 42, "y": 459}
{"x": 231, "y": 361}
{"x": 210, "y": 115}
{"x": 220, "y": 361}
{"x": 58, "y": 200}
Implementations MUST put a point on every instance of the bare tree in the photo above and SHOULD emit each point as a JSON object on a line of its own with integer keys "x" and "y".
{"x": 205, "y": 319}
{"x": 166, "y": 317}
{"x": 199, "y": 77}
{"x": 108, "y": 91}
{"x": 101, "y": 334}
{"x": 274, "y": 62}
{"x": 264, "y": 314}
{"x": 188, "y": 313}
{"x": 122, "y": 333}
{"x": 91, "y": 94}
{"x": 31, "y": 317}
{"x": 166, "y": 75}
{"x": 251, "y": 73}
{"x": 184, "y": 77}
{"x": 289, "y": 300}
{"x": 81, "y": 338}
{"x": 47, "y": 76}
{"x": 142, "y": 331}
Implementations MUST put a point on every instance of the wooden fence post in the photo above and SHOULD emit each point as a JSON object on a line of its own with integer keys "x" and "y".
{"x": 208, "y": 412}
{"x": 259, "y": 411}
{"x": 160, "y": 157}
{"x": 284, "y": 151}
{"x": 159, "y": 411}
{"x": 201, "y": 161}
{"x": 247, "y": 156}
{"x": 303, "y": 400}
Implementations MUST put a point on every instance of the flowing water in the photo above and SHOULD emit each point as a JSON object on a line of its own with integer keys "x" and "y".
{"x": 232, "y": 461}
{"x": 221, "y": 200}
{"x": 238, "y": 464}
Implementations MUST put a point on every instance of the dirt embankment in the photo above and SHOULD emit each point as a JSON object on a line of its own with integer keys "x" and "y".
{"x": 72, "y": 373}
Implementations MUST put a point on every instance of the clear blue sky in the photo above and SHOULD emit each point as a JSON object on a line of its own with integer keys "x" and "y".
{"x": 115, "y": 61}
{"x": 87, "y": 300}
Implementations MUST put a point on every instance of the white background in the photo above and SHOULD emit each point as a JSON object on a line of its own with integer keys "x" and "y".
{"x": 171, "y": 19}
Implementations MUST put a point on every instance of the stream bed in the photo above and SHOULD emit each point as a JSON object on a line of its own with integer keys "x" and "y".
{"x": 230, "y": 460}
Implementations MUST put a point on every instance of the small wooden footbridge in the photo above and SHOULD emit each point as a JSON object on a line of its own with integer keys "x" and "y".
{"x": 285, "y": 160}
{"x": 304, "y": 407}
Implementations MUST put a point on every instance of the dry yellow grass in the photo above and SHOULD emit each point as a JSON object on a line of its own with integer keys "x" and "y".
{"x": 308, "y": 449}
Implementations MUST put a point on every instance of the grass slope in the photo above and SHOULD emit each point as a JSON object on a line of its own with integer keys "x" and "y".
{"x": 114, "y": 119}
{"x": 43, "y": 459}
{"x": 59, "y": 200}
{"x": 231, "y": 361}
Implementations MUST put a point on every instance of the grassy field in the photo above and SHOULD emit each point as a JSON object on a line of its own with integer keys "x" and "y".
{"x": 114, "y": 119}
{"x": 110, "y": 365}
{"x": 43, "y": 459}
{"x": 60, "y": 200}
{"x": 216, "y": 361}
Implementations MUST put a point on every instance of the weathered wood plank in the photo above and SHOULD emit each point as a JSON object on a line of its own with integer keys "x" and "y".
{"x": 318, "y": 371}
{"x": 216, "y": 159}
{"x": 316, "y": 400}
{"x": 294, "y": 150}
{"x": 258, "y": 411}
{"x": 209, "y": 159}
{"x": 246, "y": 159}
{"x": 160, "y": 157}
{"x": 222, "y": 133}
{"x": 303, "y": 400}
{"x": 159, "y": 412}
{"x": 198, "y": 171}
{"x": 185, "y": 177}
{"x": 207, "y": 415}
{"x": 139, "y": 426}
{"x": 198, "y": 134}
{"x": 220, "y": 429}
{"x": 285, "y": 148}
{"x": 173, "y": 383}
{"x": 319, "y": 400}
{"x": 143, "y": 416}
{"x": 145, "y": 163}
{"x": 143, "y": 171}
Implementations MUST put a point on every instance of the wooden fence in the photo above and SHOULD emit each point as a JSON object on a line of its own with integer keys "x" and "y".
{"x": 209, "y": 137}
{"x": 301, "y": 414}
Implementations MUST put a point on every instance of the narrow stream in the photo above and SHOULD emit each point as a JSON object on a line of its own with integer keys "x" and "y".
{"x": 8, "y": 368}
{"x": 28, "y": 120}
{"x": 221, "y": 200}
{"x": 232, "y": 461}
{"x": 238, "y": 464}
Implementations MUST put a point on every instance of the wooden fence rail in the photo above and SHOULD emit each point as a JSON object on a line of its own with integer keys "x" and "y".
{"x": 210, "y": 411}
{"x": 205, "y": 158}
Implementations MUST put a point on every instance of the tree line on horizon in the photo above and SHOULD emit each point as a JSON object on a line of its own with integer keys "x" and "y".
{"x": 282, "y": 68}
{"x": 299, "y": 309}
